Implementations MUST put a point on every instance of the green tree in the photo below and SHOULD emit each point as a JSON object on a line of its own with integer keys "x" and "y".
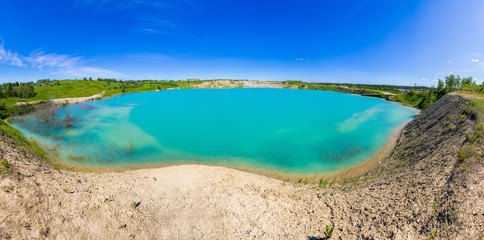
{"x": 440, "y": 86}
{"x": 452, "y": 82}
{"x": 428, "y": 99}
{"x": 468, "y": 81}
{"x": 9, "y": 90}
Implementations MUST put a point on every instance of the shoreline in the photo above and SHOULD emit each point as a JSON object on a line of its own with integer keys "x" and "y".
{"x": 219, "y": 84}
{"x": 351, "y": 172}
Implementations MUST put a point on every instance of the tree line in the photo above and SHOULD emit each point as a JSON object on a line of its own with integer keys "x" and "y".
{"x": 448, "y": 84}
{"x": 21, "y": 90}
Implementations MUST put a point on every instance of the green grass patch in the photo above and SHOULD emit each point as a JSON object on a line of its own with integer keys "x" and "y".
{"x": 5, "y": 166}
{"x": 15, "y": 134}
{"x": 10, "y": 131}
{"x": 328, "y": 231}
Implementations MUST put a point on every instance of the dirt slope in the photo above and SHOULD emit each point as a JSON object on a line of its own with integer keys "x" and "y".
{"x": 420, "y": 191}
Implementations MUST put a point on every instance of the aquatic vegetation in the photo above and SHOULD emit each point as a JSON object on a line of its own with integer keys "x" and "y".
{"x": 129, "y": 148}
{"x": 75, "y": 158}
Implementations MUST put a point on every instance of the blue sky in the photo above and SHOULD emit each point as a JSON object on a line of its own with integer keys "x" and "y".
{"x": 358, "y": 41}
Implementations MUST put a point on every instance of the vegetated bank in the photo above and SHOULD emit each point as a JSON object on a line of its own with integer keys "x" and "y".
{"x": 430, "y": 186}
{"x": 32, "y": 94}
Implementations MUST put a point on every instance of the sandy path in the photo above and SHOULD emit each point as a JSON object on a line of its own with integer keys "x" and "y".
{"x": 78, "y": 100}
{"x": 69, "y": 100}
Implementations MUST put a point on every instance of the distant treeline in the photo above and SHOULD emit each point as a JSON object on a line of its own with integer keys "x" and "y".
{"x": 45, "y": 89}
{"x": 416, "y": 96}
{"x": 21, "y": 90}
{"x": 389, "y": 88}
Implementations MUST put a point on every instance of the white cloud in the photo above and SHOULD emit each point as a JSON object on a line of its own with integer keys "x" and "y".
{"x": 301, "y": 59}
{"x": 66, "y": 65}
{"x": 424, "y": 79}
{"x": 9, "y": 57}
{"x": 475, "y": 60}
{"x": 449, "y": 61}
{"x": 41, "y": 59}
{"x": 90, "y": 71}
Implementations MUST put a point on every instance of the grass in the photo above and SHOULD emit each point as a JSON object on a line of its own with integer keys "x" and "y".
{"x": 5, "y": 166}
{"x": 43, "y": 232}
{"x": 462, "y": 155}
{"x": 8, "y": 188}
{"x": 68, "y": 89}
{"x": 323, "y": 183}
{"x": 135, "y": 204}
{"x": 10, "y": 131}
{"x": 332, "y": 182}
{"x": 328, "y": 231}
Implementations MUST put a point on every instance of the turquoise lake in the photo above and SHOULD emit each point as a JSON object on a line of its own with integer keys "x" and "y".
{"x": 293, "y": 131}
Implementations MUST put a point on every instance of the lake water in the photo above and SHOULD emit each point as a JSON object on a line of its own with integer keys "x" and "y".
{"x": 293, "y": 131}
